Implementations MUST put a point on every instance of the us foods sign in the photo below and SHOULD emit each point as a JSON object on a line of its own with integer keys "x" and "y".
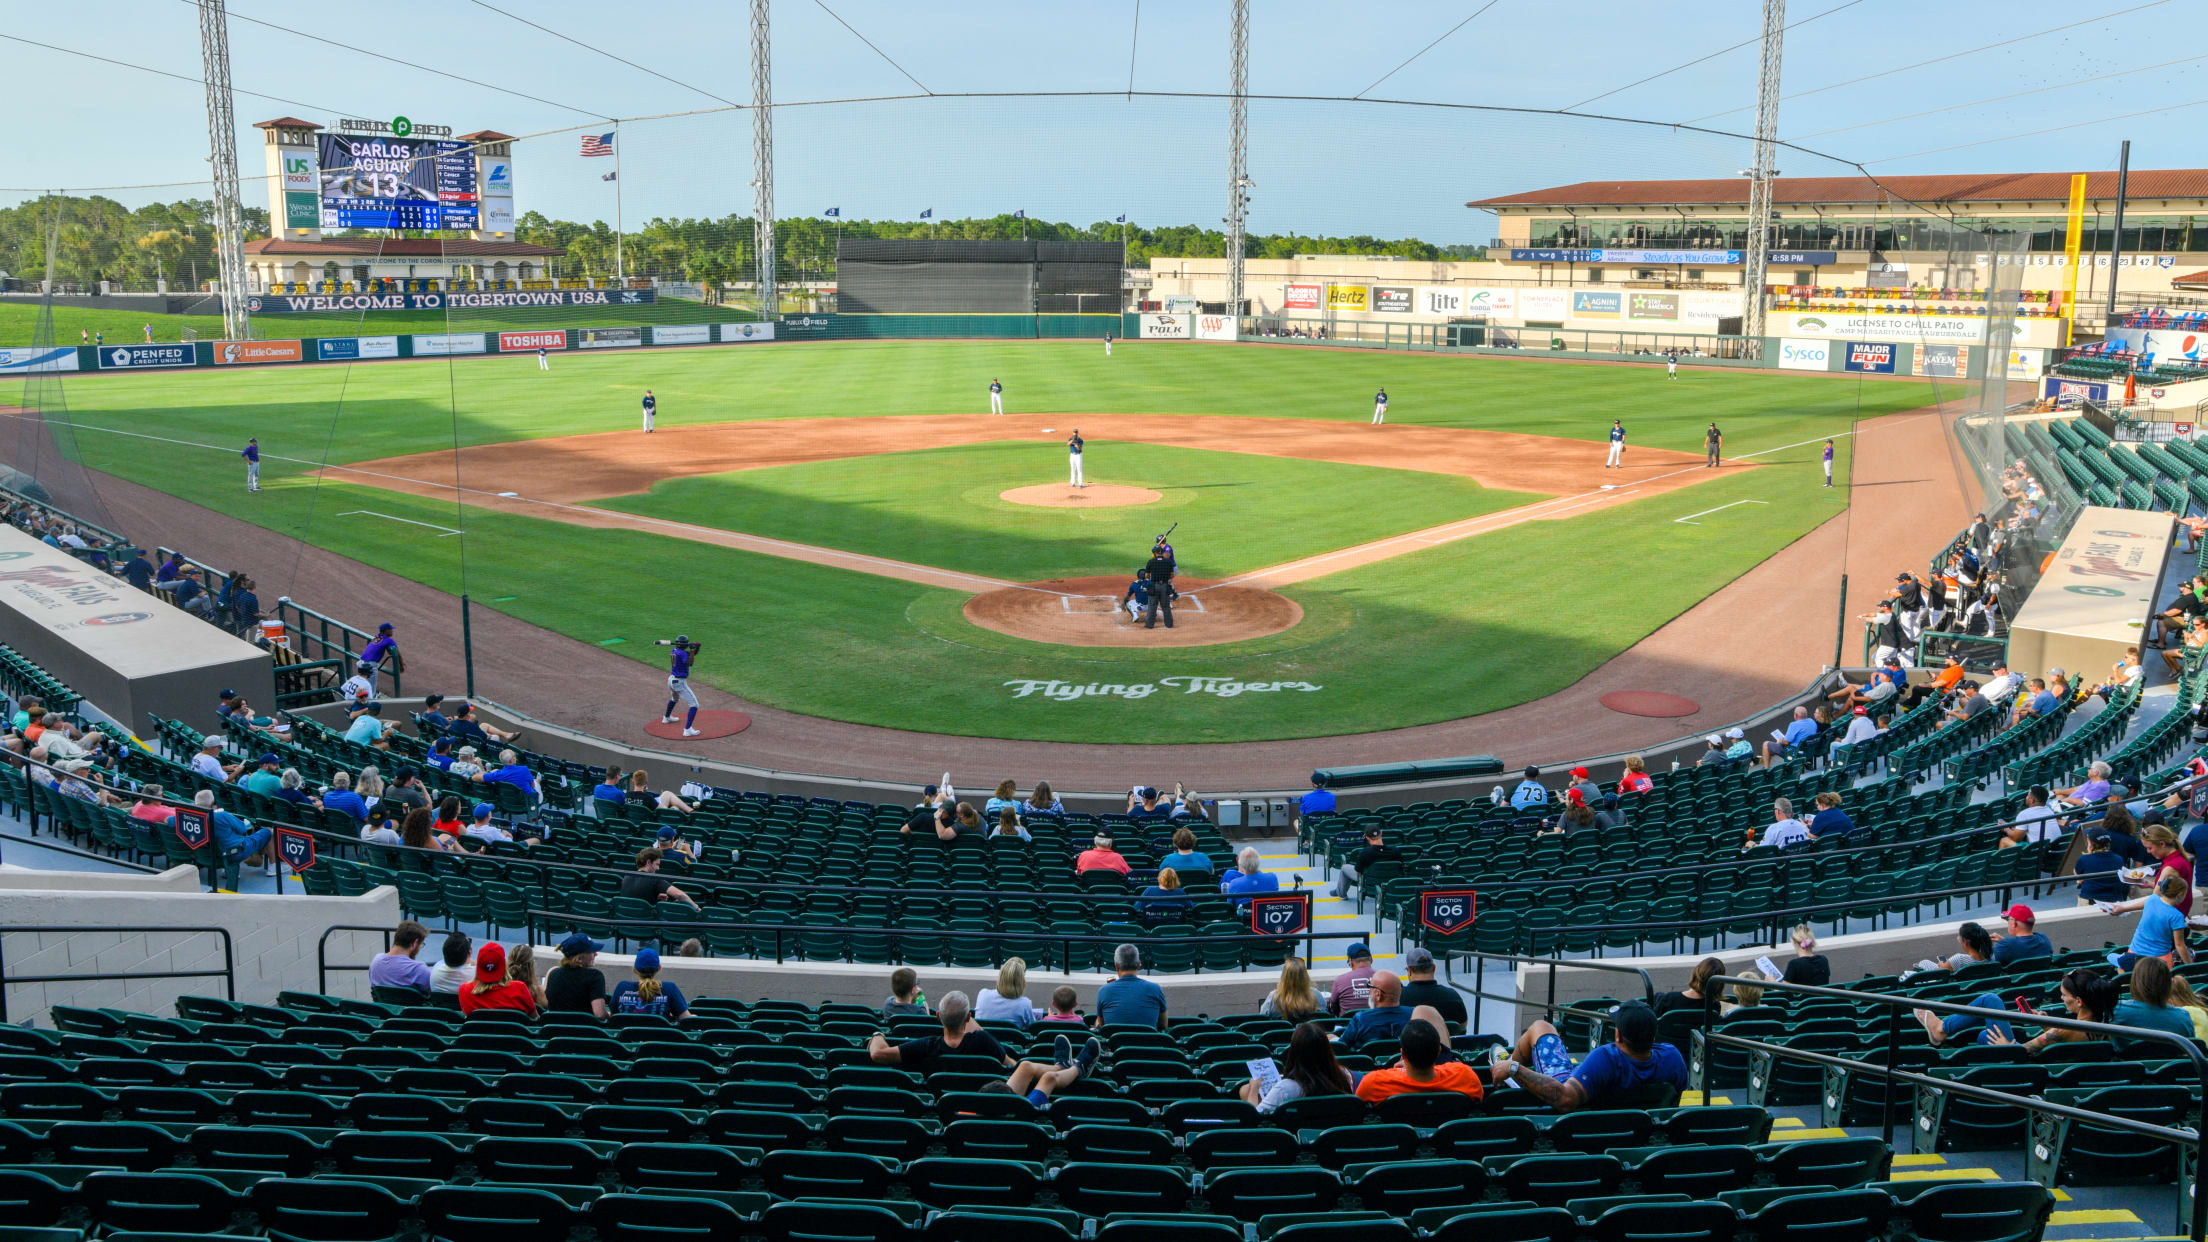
{"x": 1220, "y": 687}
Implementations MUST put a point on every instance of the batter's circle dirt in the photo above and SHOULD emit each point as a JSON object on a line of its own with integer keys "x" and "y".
{"x": 1084, "y": 612}
{"x": 1094, "y": 496}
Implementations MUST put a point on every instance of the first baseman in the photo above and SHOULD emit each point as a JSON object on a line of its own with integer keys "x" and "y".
{"x": 678, "y": 683}
{"x": 996, "y": 396}
{"x": 1617, "y": 444}
{"x": 651, "y": 408}
{"x": 1073, "y": 459}
{"x": 1380, "y": 408}
{"x": 252, "y": 456}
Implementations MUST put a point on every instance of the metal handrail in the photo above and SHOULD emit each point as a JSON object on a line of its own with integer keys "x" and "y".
{"x": 1891, "y": 1075}
{"x": 228, "y": 973}
{"x": 322, "y": 967}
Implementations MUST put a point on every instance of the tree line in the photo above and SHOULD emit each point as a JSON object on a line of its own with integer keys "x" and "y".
{"x": 100, "y": 239}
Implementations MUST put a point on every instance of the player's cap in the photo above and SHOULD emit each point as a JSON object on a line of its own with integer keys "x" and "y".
{"x": 385, "y": 628}
{"x": 682, "y": 638}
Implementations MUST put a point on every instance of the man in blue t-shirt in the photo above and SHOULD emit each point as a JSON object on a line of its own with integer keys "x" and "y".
{"x": 1634, "y": 1071}
{"x": 2021, "y": 941}
{"x": 1320, "y": 800}
{"x": 1130, "y": 1000}
{"x": 1530, "y": 791}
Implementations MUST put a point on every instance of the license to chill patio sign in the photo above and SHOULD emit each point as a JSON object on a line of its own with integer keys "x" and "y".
{"x": 1221, "y": 687}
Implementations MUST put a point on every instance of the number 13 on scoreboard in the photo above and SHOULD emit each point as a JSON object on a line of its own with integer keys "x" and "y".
{"x": 1447, "y": 911}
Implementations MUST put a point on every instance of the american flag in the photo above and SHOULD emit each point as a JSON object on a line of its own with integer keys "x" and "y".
{"x": 597, "y": 144}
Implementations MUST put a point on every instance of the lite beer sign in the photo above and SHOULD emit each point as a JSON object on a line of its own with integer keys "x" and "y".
{"x": 1447, "y": 911}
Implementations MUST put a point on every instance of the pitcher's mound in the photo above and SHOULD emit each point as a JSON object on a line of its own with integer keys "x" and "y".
{"x": 711, "y": 724}
{"x": 1085, "y": 612}
{"x": 1094, "y": 496}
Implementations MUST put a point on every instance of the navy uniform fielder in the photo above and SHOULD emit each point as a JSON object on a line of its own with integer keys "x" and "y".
{"x": 651, "y": 409}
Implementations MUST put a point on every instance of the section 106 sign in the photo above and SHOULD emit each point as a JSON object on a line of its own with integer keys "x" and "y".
{"x": 1447, "y": 911}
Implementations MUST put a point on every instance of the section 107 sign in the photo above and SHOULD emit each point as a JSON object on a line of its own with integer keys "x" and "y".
{"x": 1447, "y": 911}
{"x": 1280, "y": 914}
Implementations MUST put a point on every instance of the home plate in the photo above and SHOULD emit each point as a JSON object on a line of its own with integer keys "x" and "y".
{"x": 711, "y": 724}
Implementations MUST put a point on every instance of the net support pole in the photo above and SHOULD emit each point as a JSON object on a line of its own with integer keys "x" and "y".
{"x": 222, "y": 167}
{"x": 467, "y": 644}
{"x": 762, "y": 161}
{"x": 1755, "y": 269}
{"x": 1238, "y": 148}
{"x": 2116, "y": 239}
{"x": 620, "y": 269}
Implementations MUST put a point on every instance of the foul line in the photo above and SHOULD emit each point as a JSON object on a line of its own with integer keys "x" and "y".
{"x": 1720, "y": 509}
{"x": 394, "y": 518}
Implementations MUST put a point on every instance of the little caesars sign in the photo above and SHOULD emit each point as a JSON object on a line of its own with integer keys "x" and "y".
{"x": 1221, "y": 687}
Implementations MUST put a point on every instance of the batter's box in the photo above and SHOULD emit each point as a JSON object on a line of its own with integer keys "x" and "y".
{"x": 1108, "y": 604}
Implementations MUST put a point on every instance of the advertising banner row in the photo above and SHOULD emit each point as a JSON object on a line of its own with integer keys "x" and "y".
{"x": 1183, "y": 327}
{"x": 371, "y": 348}
{"x": 1932, "y": 359}
{"x": 1546, "y": 305}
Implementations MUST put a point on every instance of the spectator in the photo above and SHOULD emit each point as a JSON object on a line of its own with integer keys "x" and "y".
{"x": 2037, "y": 701}
{"x": 2123, "y": 835}
{"x": 2127, "y": 672}
{"x": 1042, "y": 802}
{"x": 2093, "y": 788}
{"x": 431, "y": 720}
{"x": 382, "y": 829}
{"x": 1008, "y": 826}
{"x": 1307, "y": 1069}
{"x": 369, "y": 785}
{"x": 1320, "y": 799}
{"x": 960, "y": 1034}
{"x": 1249, "y": 876}
{"x": 2149, "y": 1006}
{"x": 1633, "y": 1071}
{"x": 640, "y": 787}
{"x": 440, "y": 755}
{"x": 2160, "y": 934}
{"x": 146, "y": 810}
{"x": 2035, "y": 823}
{"x": 2183, "y": 997}
{"x": 2169, "y": 860}
{"x": 511, "y": 772}
{"x": 1799, "y": 730}
{"x": 1736, "y": 744}
{"x": 1187, "y": 806}
{"x": 2088, "y": 998}
{"x": 1694, "y": 996}
{"x": 422, "y": 831}
{"x": 905, "y": 997}
{"x": 340, "y": 797}
{"x": 669, "y": 841}
{"x": 607, "y": 794}
{"x": 522, "y": 965}
{"x": 407, "y": 790}
{"x": 1529, "y": 792}
{"x": 398, "y": 966}
{"x": 1007, "y": 1002}
{"x": 2196, "y": 636}
{"x": 263, "y": 779}
{"x": 237, "y": 843}
{"x": 1064, "y": 1007}
{"x": 1375, "y": 851}
{"x": 941, "y": 819}
{"x": 1129, "y": 999}
{"x": 2097, "y": 871}
{"x": 447, "y": 977}
{"x": 1713, "y": 750}
{"x": 1973, "y": 945}
{"x": 208, "y": 762}
{"x": 574, "y": 986}
{"x": 1185, "y": 856}
{"x": 646, "y": 884}
{"x": 1295, "y": 998}
{"x": 1100, "y": 856}
{"x": 693, "y": 947}
{"x": 1164, "y": 901}
{"x": 646, "y": 994}
{"x": 1352, "y": 988}
{"x": 2021, "y": 941}
{"x": 1142, "y": 805}
{"x": 1420, "y": 1068}
{"x": 292, "y": 788}
{"x": 1830, "y": 820}
{"x": 1807, "y": 967}
{"x": 1005, "y": 799}
{"x": 1635, "y": 779}
{"x": 1383, "y": 1018}
{"x": 1942, "y": 1030}
{"x": 1421, "y": 988}
{"x": 138, "y": 571}
{"x": 1785, "y": 830}
{"x": 494, "y": 988}
{"x": 465, "y": 764}
{"x": 1036, "y": 1081}
{"x": 467, "y": 728}
{"x": 367, "y": 722}
{"x": 966, "y": 820}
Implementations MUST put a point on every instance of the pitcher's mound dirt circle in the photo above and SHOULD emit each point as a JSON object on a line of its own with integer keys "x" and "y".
{"x": 1085, "y": 612}
{"x": 1094, "y": 496}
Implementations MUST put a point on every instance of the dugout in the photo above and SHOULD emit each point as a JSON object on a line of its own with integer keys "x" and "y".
{"x": 2097, "y": 591}
{"x": 877, "y": 276}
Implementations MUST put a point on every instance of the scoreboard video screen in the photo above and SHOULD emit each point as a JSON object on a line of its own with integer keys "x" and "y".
{"x": 398, "y": 183}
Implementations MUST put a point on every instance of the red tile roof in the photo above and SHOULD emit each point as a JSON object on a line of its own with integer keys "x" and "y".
{"x": 403, "y": 247}
{"x": 1958, "y": 188}
{"x": 285, "y": 122}
{"x": 2190, "y": 278}
{"x": 487, "y": 135}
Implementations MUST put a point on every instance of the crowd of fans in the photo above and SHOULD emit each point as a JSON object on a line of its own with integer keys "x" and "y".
{"x": 234, "y": 606}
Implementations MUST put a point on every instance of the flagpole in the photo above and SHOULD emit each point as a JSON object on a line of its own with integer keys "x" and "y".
{"x": 620, "y": 270}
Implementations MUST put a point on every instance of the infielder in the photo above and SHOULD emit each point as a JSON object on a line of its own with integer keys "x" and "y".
{"x": 996, "y": 396}
{"x": 1617, "y": 444}
{"x": 1828, "y": 463}
{"x": 651, "y": 408}
{"x": 1380, "y": 408}
{"x": 252, "y": 456}
{"x": 543, "y": 363}
{"x": 1107, "y": 344}
{"x": 678, "y": 683}
{"x": 1073, "y": 458}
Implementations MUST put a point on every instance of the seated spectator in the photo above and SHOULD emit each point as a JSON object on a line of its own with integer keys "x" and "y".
{"x": 1142, "y": 804}
{"x": 1307, "y": 1069}
{"x": 693, "y": 947}
{"x": 1382, "y": 1019}
{"x": 966, "y": 821}
{"x": 2160, "y": 935}
{"x": 646, "y": 884}
{"x": 1375, "y": 850}
{"x": 1736, "y": 744}
{"x": 2097, "y": 871}
{"x": 1713, "y": 750}
{"x": 1100, "y": 856}
{"x": 1319, "y": 801}
{"x": 905, "y": 998}
{"x": 1420, "y": 1068}
{"x": 1830, "y": 820}
{"x": 406, "y": 791}
{"x": 2093, "y": 788}
{"x": 2149, "y": 1006}
{"x": 493, "y": 988}
{"x": 1249, "y": 876}
{"x": 1633, "y": 1071}
{"x": 448, "y": 976}
{"x": 422, "y": 830}
{"x": 146, "y": 810}
{"x": 466, "y": 764}
{"x": 1973, "y": 945}
{"x": 575, "y": 985}
{"x": 382, "y": 828}
{"x": 1164, "y": 901}
{"x": 1005, "y": 799}
{"x": 1037, "y": 1081}
{"x": 1807, "y": 967}
{"x": 2123, "y": 835}
{"x": 670, "y": 842}
{"x": 1042, "y": 802}
{"x": 369, "y": 785}
{"x": 1185, "y": 856}
{"x": 1187, "y": 807}
{"x": 482, "y": 829}
{"x": 960, "y": 1034}
{"x": 366, "y": 722}
{"x": 1129, "y": 999}
{"x": 1530, "y": 791}
{"x": 1785, "y": 830}
{"x": 2035, "y": 823}
{"x": 2086, "y": 996}
{"x": 1008, "y": 826}
{"x": 467, "y": 728}
{"x": 431, "y": 718}
{"x": 511, "y": 772}
{"x": 1007, "y": 1002}
{"x": 1065, "y": 1006}
{"x": 2196, "y": 636}
{"x": 292, "y": 788}
{"x": 398, "y": 966}
{"x": 640, "y": 790}
{"x": 2127, "y": 672}
{"x": 1634, "y": 780}
{"x": 1694, "y": 996}
{"x": 1295, "y": 998}
{"x": 340, "y": 797}
{"x": 2037, "y": 701}
{"x": 607, "y": 793}
{"x": 646, "y": 993}
{"x": 1941, "y": 1031}
{"x": 208, "y": 762}
{"x": 2020, "y": 941}
{"x": 1420, "y": 988}
{"x": 440, "y": 755}
{"x": 941, "y": 819}
{"x": 2168, "y": 860}
{"x": 1352, "y": 988}
{"x": 1801, "y": 729}
{"x": 237, "y": 843}
{"x": 1942, "y": 684}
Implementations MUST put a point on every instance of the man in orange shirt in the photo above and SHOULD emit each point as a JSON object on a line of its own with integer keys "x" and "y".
{"x": 1100, "y": 857}
{"x": 1421, "y": 1068}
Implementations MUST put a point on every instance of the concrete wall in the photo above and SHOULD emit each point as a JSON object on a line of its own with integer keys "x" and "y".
{"x": 273, "y": 940}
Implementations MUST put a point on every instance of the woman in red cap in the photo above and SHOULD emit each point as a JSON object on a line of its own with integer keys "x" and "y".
{"x": 492, "y": 989}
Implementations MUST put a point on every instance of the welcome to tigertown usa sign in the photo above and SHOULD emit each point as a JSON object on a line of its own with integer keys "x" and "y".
{"x": 1221, "y": 687}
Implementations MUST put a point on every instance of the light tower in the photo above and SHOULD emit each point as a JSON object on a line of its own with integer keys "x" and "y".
{"x": 1760, "y": 173}
{"x": 222, "y": 168}
{"x": 1238, "y": 152}
{"x": 762, "y": 158}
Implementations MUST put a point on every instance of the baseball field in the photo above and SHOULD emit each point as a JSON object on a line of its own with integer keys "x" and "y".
{"x": 836, "y": 520}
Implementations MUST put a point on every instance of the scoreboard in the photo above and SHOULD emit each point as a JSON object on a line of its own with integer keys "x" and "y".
{"x": 397, "y": 183}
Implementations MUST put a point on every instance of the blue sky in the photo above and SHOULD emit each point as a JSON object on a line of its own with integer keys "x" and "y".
{"x": 1325, "y": 168}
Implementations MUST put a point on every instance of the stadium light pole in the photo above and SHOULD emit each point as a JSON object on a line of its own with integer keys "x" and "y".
{"x": 1755, "y": 274}
{"x": 1238, "y": 148}
{"x": 222, "y": 168}
{"x": 762, "y": 160}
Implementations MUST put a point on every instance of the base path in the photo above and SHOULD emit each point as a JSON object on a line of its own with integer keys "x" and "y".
{"x": 1085, "y": 612}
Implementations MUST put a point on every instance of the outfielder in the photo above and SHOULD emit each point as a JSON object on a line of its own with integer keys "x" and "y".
{"x": 1828, "y": 463}
{"x": 1671, "y": 366}
{"x": 651, "y": 409}
{"x": 996, "y": 396}
{"x": 252, "y": 456}
{"x": 1073, "y": 458}
{"x": 1107, "y": 344}
{"x": 544, "y": 363}
{"x": 678, "y": 683}
{"x": 1380, "y": 408}
{"x": 1617, "y": 444}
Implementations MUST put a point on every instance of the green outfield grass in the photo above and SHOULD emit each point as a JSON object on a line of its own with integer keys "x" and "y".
{"x": 19, "y": 322}
{"x": 1456, "y": 630}
{"x": 1237, "y": 511}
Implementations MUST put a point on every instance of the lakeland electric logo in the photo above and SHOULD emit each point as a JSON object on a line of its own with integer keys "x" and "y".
{"x": 1810, "y": 323}
{"x": 118, "y": 618}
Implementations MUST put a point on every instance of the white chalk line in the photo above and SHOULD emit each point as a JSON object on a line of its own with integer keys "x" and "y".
{"x": 392, "y": 517}
{"x": 1688, "y": 520}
